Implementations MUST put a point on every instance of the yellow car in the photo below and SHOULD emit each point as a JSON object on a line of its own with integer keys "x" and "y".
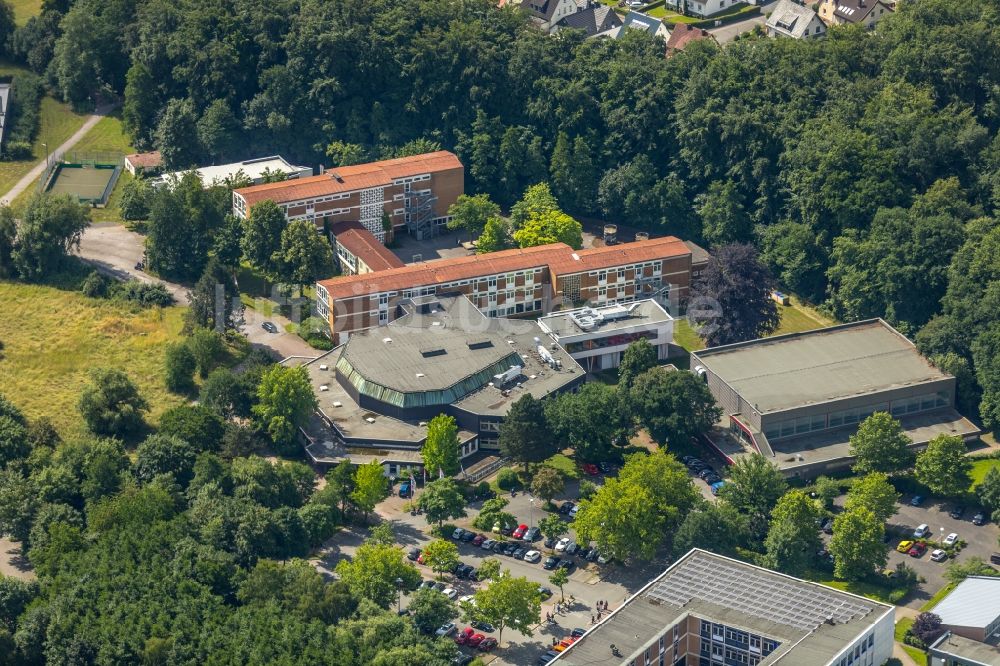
{"x": 904, "y": 546}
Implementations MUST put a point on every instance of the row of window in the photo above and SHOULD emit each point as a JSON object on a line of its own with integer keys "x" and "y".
{"x": 412, "y": 179}
{"x": 844, "y": 417}
{"x": 859, "y": 652}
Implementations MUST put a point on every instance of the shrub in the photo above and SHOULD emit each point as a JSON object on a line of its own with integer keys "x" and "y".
{"x": 95, "y": 285}
{"x": 180, "y": 367}
{"x": 587, "y": 489}
{"x": 143, "y": 294}
{"x": 507, "y": 479}
{"x": 17, "y": 150}
{"x": 136, "y": 196}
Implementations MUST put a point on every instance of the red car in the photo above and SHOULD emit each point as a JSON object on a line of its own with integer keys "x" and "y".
{"x": 475, "y": 640}
{"x": 488, "y": 644}
{"x": 519, "y": 532}
{"x": 478, "y": 541}
{"x": 917, "y": 550}
{"x": 591, "y": 469}
{"x": 464, "y": 636}
{"x": 420, "y": 558}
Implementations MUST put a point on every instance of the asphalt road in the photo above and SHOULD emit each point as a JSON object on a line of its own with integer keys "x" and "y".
{"x": 728, "y": 32}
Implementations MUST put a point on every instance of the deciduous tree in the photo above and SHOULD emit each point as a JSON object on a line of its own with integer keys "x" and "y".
{"x": 440, "y": 555}
{"x": 754, "y": 486}
{"x": 373, "y": 571}
{"x": 943, "y": 466}
{"x": 285, "y": 400}
{"x": 370, "y": 487}
{"x": 262, "y": 230}
{"x": 880, "y": 445}
{"x": 50, "y": 229}
{"x": 524, "y": 434}
{"x": 509, "y": 602}
{"x": 442, "y": 500}
{"x": 471, "y": 212}
{"x": 547, "y": 483}
{"x": 429, "y": 609}
{"x": 857, "y": 544}
{"x": 793, "y": 536}
{"x": 440, "y": 449}
{"x": 674, "y": 405}
{"x": 111, "y": 404}
{"x": 549, "y": 227}
{"x": 874, "y": 492}
{"x": 716, "y": 526}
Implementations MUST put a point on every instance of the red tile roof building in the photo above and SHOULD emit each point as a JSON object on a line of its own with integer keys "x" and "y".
{"x": 529, "y": 281}
{"x": 359, "y": 252}
{"x": 682, "y": 35}
{"x": 408, "y": 192}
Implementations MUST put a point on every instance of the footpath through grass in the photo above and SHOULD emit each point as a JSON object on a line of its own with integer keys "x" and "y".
{"x": 916, "y": 654}
{"x": 53, "y": 337}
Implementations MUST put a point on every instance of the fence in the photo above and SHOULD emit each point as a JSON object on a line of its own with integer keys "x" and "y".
{"x": 83, "y": 158}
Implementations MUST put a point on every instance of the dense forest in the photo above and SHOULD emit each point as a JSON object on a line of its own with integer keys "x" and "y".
{"x": 864, "y": 166}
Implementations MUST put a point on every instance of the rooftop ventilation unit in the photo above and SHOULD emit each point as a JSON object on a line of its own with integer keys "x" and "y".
{"x": 420, "y": 374}
{"x": 337, "y": 403}
{"x": 507, "y": 376}
{"x": 324, "y": 387}
{"x": 370, "y": 419}
{"x": 386, "y": 340}
{"x": 324, "y": 367}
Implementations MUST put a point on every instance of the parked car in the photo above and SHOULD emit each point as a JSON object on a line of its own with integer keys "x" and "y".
{"x": 457, "y": 534}
{"x": 917, "y": 500}
{"x": 568, "y": 565}
{"x": 922, "y": 531}
{"x": 590, "y": 469}
{"x": 464, "y": 570}
{"x": 957, "y": 512}
{"x": 508, "y": 530}
{"x": 995, "y": 558}
{"x": 413, "y": 554}
{"x": 827, "y": 525}
{"x": 532, "y": 556}
{"x": 566, "y": 507}
{"x": 446, "y": 629}
{"x": 574, "y": 511}
{"x": 510, "y": 549}
{"x": 533, "y": 534}
{"x": 463, "y": 636}
{"x": 550, "y": 563}
{"x": 939, "y": 555}
{"x": 468, "y": 599}
{"x": 547, "y": 657}
{"x": 979, "y": 519}
{"x": 606, "y": 467}
{"x": 426, "y": 585}
{"x": 519, "y": 532}
{"x": 561, "y": 546}
{"x": 487, "y": 544}
{"x": 717, "y": 486}
{"x": 917, "y": 549}
{"x": 708, "y": 471}
{"x": 478, "y": 540}
{"x": 593, "y": 555}
{"x": 468, "y": 536}
{"x": 484, "y": 626}
{"x": 576, "y": 633}
{"x": 405, "y": 489}
{"x": 550, "y": 542}
{"x": 450, "y": 592}
{"x": 904, "y": 546}
{"x": 488, "y": 643}
{"x": 951, "y": 539}
{"x": 440, "y": 587}
{"x": 603, "y": 559}
{"x": 519, "y": 553}
{"x": 584, "y": 552}
{"x": 475, "y": 640}
{"x": 544, "y": 592}
{"x": 572, "y": 548}
{"x": 499, "y": 546}
{"x": 462, "y": 659}
{"x": 269, "y": 327}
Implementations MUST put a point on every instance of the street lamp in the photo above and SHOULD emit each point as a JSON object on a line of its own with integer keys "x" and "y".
{"x": 399, "y": 595}
{"x": 46, "y": 146}
{"x": 941, "y": 539}
{"x": 531, "y": 512}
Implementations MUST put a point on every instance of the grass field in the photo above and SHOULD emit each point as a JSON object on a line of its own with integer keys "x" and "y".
{"x": 916, "y": 654}
{"x": 980, "y": 468}
{"x": 57, "y": 123}
{"x": 53, "y": 337}
{"x": 795, "y": 318}
{"x": 25, "y": 9}
{"x": 938, "y": 596}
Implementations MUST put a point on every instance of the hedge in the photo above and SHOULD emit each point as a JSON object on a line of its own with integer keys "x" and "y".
{"x": 26, "y": 97}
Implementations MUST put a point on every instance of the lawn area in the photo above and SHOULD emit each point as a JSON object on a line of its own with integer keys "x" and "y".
{"x": 53, "y": 337}
{"x": 686, "y": 337}
{"x": 876, "y": 592}
{"x": 797, "y": 317}
{"x": 564, "y": 464}
{"x": 916, "y": 654}
{"x": 25, "y": 9}
{"x": 108, "y": 136}
{"x": 980, "y": 468}
{"x": 57, "y": 123}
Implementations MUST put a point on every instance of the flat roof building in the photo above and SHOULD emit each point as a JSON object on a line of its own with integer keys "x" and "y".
{"x": 797, "y": 398}
{"x": 411, "y": 193}
{"x": 256, "y": 170}
{"x": 972, "y": 609}
{"x": 597, "y": 337}
{"x": 710, "y": 610}
{"x": 377, "y": 391}
{"x": 954, "y": 650}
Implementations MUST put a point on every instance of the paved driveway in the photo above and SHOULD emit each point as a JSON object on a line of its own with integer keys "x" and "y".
{"x": 727, "y": 33}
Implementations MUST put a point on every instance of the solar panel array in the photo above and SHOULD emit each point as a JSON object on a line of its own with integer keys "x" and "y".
{"x": 757, "y": 593}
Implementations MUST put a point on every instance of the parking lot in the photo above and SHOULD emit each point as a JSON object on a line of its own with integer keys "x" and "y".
{"x": 589, "y": 582}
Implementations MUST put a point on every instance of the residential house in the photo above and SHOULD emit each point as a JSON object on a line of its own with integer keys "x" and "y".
{"x": 144, "y": 163}
{"x": 683, "y": 34}
{"x": 257, "y": 170}
{"x": 646, "y": 23}
{"x": 790, "y": 19}
{"x": 594, "y": 21}
{"x": 547, "y": 14}
{"x": 853, "y": 12}
{"x": 700, "y": 8}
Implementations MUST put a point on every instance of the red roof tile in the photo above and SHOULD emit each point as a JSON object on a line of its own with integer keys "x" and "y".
{"x": 145, "y": 160}
{"x": 363, "y": 245}
{"x": 559, "y": 258}
{"x": 350, "y": 178}
{"x": 683, "y": 34}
